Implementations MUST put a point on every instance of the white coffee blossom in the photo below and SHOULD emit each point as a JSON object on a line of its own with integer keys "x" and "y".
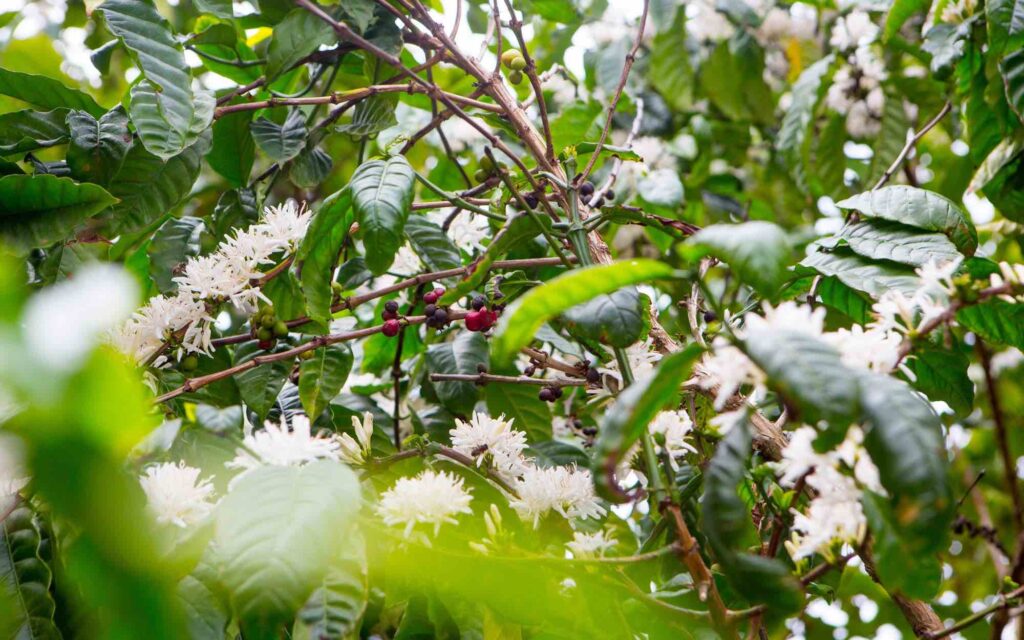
{"x": 897, "y": 311}
{"x": 873, "y": 349}
{"x": 706, "y": 24}
{"x": 856, "y": 92}
{"x": 590, "y": 545}
{"x": 565, "y": 489}
{"x": 279, "y": 445}
{"x": 225, "y": 275}
{"x": 642, "y": 358}
{"x": 13, "y": 477}
{"x": 675, "y": 427}
{"x": 855, "y": 29}
{"x": 176, "y": 495}
{"x": 357, "y": 450}
{"x": 493, "y": 439}
{"x": 725, "y": 370}
{"x": 431, "y": 498}
{"x": 788, "y": 316}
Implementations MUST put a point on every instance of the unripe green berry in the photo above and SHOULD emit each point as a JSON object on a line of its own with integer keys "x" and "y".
{"x": 508, "y": 56}
{"x": 190, "y": 362}
{"x": 480, "y": 175}
{"x": 515, "y": 77}
{"x": 280, "y": 329}
{"x": 267, "y": 321}
{"x": 487, "y": 164}
{"x": 518, "y": 63}
{"x": 307, "y": 355}
{"x": 264, "y": 334}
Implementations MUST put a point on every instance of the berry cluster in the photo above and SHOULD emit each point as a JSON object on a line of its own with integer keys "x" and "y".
{"x": 550, "y": 394}
{"x": 488, "y": 168}
{"x": 390, "y": 316}
{"x": 267, "y": 328}
{"x": 514, "y": 61}
{"x": 437, "y": 316}
{"x": 481, "y": 318}
{"x": 587, "y": 193}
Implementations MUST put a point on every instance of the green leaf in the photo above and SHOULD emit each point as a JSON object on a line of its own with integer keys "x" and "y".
{"x": 576, "y": 123}
{"x": 219, "y": 8}
{"x": 22, "y": 131}
{"x": 826, "y": 168}
{"x": 277, "y": 532}
{"x": 861, "y": 274}
{"x": 807, "y": 372}
{"x": 167, "y": 114}
{"x": 42, "y": 209}
{"x": 310, "y": 167}
{"x": 260, "y": 385}
{"x": 206, "y": 615}
{"x": 564, "y": 11}
{"x": 616, "y": 319}
{"x": 903, "y": 435}
{"x": 900, "y": 566}
{"x": 1000, "y": 156}
{"x": 757, "y": 251}
{"x": 555, "y": 453}
{"x": 671, "y": 72}
{"x": 319, "y": 251}
{"x": 835, "y": 294}
{"x": 900, "y": 12}
{"x": 371, "y": 116}
{"x": 431, "y": 244}
{"x": 298, "y": 35}
{"x": 334, "y": 610}
{"x": 733, "y": 78}
{"x": 220, "y": 421}
{"x": 796, "y": 123}
{"x": 520, "y": 322}
{"x": 661, "y": 189}
{"x": 729, "y": 530}
{"x": 46, "y": 93}
{"x": 1005, "y": 21}
{"x": 233, "y": 150}
{"x": 98, "y": 147}
{"x": 464, "y": 355}
{"x": 995, "y": 321}
{"x": 623, "y": 153}
{"x": 892, "y": 135}
{"x": 172, "y": 245}
{"x": 917, "y": 208}
{"x": 150, "y": 187}
{"x": 322, "y": 377}
{"x": 280, "y": 142}
{"x": 887, "y": 240}
{"x": 1012, "y": 69}
{"x": 382, "y": 196}
{"x": 627, "y": 419}
{"x": 941, "y": 374}
{"x": 24, "y": 572}
{"x": 520, "y": 403}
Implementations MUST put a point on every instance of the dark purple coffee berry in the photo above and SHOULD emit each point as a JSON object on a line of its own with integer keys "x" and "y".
{"x": 609, "y": 194}
{"x": 429, "y": 310}
{"x": 529, "y": 370}
{"x": 481, "y": 368}
{"x": 598, "y": 204}
{"x": 388, "y": 315}
{"x": 391, "y": 306}
{"x": 546, "y": 394}
{"x": 710, "y": 316}
{"x": 590, "y": 431}
{"x": 585, "y": 199}
{"x": 593, "y": 376}
{"x": 558, "y": 391}
{"x": 531, "y": 200}
{"x": 587, "y": 188}
{"x": 478, "y": 303}
{"x": 440, "y": 317}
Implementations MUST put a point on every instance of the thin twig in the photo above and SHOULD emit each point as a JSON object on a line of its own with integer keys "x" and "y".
{"x": 911, "y": 143}
{"x": 484, "y": 378}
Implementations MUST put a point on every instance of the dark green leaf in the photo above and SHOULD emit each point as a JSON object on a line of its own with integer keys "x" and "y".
{"x": 260, "y": 385}
{"x": 917, "y": 208}
{"x": 219, "y": 8}
{"x": 310, "y": 168}
{"x": 431, "y": 244}
{"x": 462, "y": 355}
{"x": 520, "y": 403}
{"x": 796, "y": 123}
{"x": 995, "y": 321}
{"x": 575, "y": 123}
{"x": 842, "y": 298}
{"x": 616, "y": 319}
{"x": 555, "y": 453}
{"x": 298, "y": 35}
{"x": 900, "y": 12}
{"x": 42, "y": 209}
{"x": 150, "y": 187}
{"x": 46, "y": 93}
{"x": 671, "y": 72}
{"x": 98, "y": 147}
{"x": 23, "y": 572}
{"x": 942, "y": 376}
{"x": 634, "y": 409}
{"x": 172, "y": 245}
{"x": 322, "y": 377}
{"x": 892, "y": 135}
{"x": 1005, "y": 21}
{"x": 382, "y": 196}
{"x": 887, "y": 240}
{"x": 371, "y": 116}
{"x": 233, "y": 150}
{"x": 861, "y": 274}
{"x": 319, "y": 251}
{"x": 521, "y": 321}
{"x": 335, "y": 608}
{"x": 22, "y": 131}
{"x": 733, "y": 78}
{"x": 901, "y": 567}
{"x": 280, "y": 142}
{"x": 1012, "y": 69}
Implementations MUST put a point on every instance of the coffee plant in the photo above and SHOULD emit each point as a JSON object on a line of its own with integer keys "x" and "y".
{"x": 508, "y": 319}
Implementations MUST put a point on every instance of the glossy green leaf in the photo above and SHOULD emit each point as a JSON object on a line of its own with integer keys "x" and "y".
{"x": 233, "y": 150}
{"x": 757, "y": 251}
{"x": 168, "y": 115}
{"x": 26, "y": 576}
{"x": 371, "y": 116}
{"x": 42, "y": 209}
{"x": 261, "y": 384}
{"x": 729, "y": 530}
{"x": 627, "y": 419}
{"x": 576, "y": 123}
{"x": 733, "y": 79}
{"x": 46, "y": 93}
{"x": 149, "y": 187}
{"x": 171, "y": 246}
{"x": 899, "y": 12}
{"x": 835, "y": 294}
{"x": 521, "y": 321}
{"x": 1005, "y": 21}
{"x": 22, "y": 131}
{"x": 382, "y": 196}
{"x": 799, "y": 116}
{"x": 1012, "y": 69}
{"x": 280, "y": 142}
{"x": 98, "y": 147}
{"x": 807, "y": 372}
{"x": 941, "y": 375}
{"x": 917, "y": 208}
{"x": 996, "y": 321}
{"x": 319, "y": 251}
{"x": 861, "y": 274}
{"x": 277, "y": 532}
{"x": 892, "y": 135}
{"x": 464, "y": 355}
{"x": 298, "y": 35}
{"x": 322, "y": 377}
{"x": 431, "y": 244}
{"x": 671, "y": 72}
{"x": 887, "y": 240}
{"x": 310, "y": 167}
{"x": 901, "y": 567}
{"x": 616, "y": 319}
{"x": 520, "y": 403}
{"x": 334, "y": 610}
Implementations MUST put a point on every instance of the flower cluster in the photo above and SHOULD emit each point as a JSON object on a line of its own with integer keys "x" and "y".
{"x": 834, "y": 514}
{"x": 176, "y": 495}
{"x": 206, "y": 281}
{"x": 856, "y": 92}
{"x": 590, "y": 545}
{"x": 277, "y": 445}
{"x": 430, "y": 498}
{"x": 493, "y": 439}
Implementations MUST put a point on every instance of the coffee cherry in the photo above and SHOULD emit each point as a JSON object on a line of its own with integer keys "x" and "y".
{"x": 710, "y": 316}
{"x": 598, "y": 204}
{"x": 531, "y": 200}
{"x": 585, "y": 199}
{"x": 546, "y": 394}
{"x": 529, "y": 370}
{"x": 440, "y": 317}
{"x": 307, "y": 355}
{"x": 438, "y": 292}
{"x": 489, "y": 318}
{"x": 267, "y": 345}
{"x": 593, "y": 376}
{"x": 587, "y": 188}
{"x": 280, "y": 329}
{"x": 518, "y": 63}
{"x": 508, "y": 56}
{"x": 387, "y": 315}
{"x": 515, "y": 77}
{"x": 268, "y": 321}
{"x": 391, "y": 306}
{"x": 190, "y": 362}
{"x": 487, "y": 164}
{"x": 478, "y": 303}
{"x": 473, "y": 321}
{"x": 429, "y": 310}
{"x": 337, "y": 288}
{"x": 557, "y": 391}
{"x": 430, "y": 298}
{"x": 590, "y": 431}
{"x": 609, "y": 194}
{"x": 480, "y": 175}
{"x": 265, "y": 334}
{"x": 391, "y": 328}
